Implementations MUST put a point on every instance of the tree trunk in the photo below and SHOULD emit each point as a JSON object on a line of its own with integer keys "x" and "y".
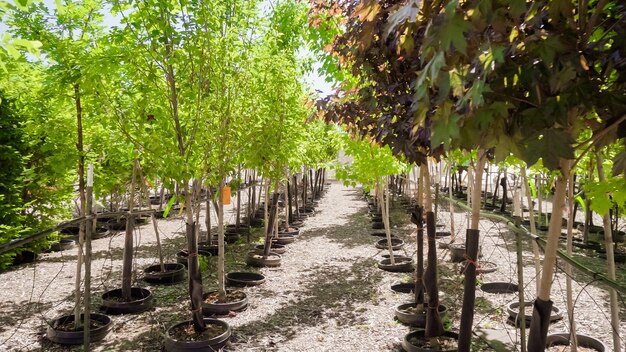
{"x": 81, "y": 198}
{"x": 295, "y": 194}
{"x": 418, "y": 219}
{"x": 434, "y": 326}
{"x": 471, "y": 243}
{"x": 270, "y": 219}
{"x": 385, "y": 212}
{"x": 127, "y": 265}
{"x": 543, "y": 304}
{"x": 533, "y": 226}
{"x": 238, "y": 219}
{"x": 568, "y": 266}
{"x": 221, "y": 284}
{"x": 89, "y": 209}
{"x": 610, "y": 258}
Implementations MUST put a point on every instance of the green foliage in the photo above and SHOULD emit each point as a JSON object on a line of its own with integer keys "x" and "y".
{"x": 370, "y": 162}
{"x": 605, "y": 195}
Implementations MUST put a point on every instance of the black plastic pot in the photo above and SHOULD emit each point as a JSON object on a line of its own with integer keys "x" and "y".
{"x": 513, "y": 310}
{"x": 99, "y": 233}
{"x": 563, "y": 339}
{"x": 118, "y": 224}
{"x": 396, "y": 243}
{"x": 403, "y": 287}
{"x": 257, "y": 260}
{"x": 415, "y": 320}
{"x": 242, "y": 229}
{"x": 378, "y": 225}
{"x": 231, "y": 237}
{"x": 499, "y": 287}
{"x": 484, "y": 267}
{"x": 442, "y": 234}
{"x": 618, "y": 257}
{"x": 408, "y": 346}
{"x": 76, "y": 337}
{"x": 308, "y": 210}
{"x": 276, "y": 248}
{"x": 24, "y": 257}
{"x": 284, "y": 239}
{"x": 402, "y": 264}
{"x": 174, "y": 273}
{"x": 218, "y": 308}
{"x": 243, "y": 279}
{"x": 63, "y": 244}
{"x": 214, "y": 344}
{"x": 113, "y": 304}
{"x": 292, "y": 231}
{"x": 181, "y": 257}
{"x": 297, "y": 223}
{"x": 457, "y": 252}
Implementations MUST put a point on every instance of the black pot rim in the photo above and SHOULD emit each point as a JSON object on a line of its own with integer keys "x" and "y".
{"x": 583, "y": 341}
{"x": 407, "y": 346}
{"x": 513, "y": 310}
{"x": 499, "y": 287}
{"x": 246, "y": 278}
{"x": 136, "y": 306}
{"x": 196, "y": 345}
{"x": 76, "y": 337}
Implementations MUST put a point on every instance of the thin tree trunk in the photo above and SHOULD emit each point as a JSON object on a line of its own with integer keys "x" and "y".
{"x": 286, "y": 201}
{"x": 207, "y": 219}
{"x": 610, "y": 258}
{"x": 543, "y": 304}
{"x": 434, "y": 325}
{"x": 238, "y": 219}
{"x": 221, "y": 284}
{"x": 520, "y": 285}
{"x": 533, "y": 225}
{"x": 472, "y": 244}
{"x": 87, "y": 310}
{"x": 295, "y": 194}
{"x": 385, "y": 213}
{"x": 127, "y": 266}
{"x": 568, "y": 267}
{"x": 81, "y": 197}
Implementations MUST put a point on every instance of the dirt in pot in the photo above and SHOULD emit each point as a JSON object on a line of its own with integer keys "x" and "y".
{"x": 69, "y": 326}
{"x": 415, "y": 310}
{"x": 133, "y": 298}
{"x": 233, "y": 296}
{"x": 188, "y": 333}
{"x": 441, "y": 343}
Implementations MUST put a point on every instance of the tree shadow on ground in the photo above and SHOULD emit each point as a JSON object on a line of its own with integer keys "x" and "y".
{"x": 332, "y": 293}
{"x": 13, "y": 314}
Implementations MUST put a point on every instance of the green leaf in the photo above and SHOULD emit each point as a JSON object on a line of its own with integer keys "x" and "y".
{"x": 581, "y": 202}
{"x": 533, "y": 190}
{"x": 445, "y": 126}
{"x": 550, "y": 145}
{"x": 169, "y": 206}
{"x": 451, "y": 33}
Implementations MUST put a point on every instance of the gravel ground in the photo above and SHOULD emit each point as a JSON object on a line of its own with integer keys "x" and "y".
{"x": 327, "y": 295}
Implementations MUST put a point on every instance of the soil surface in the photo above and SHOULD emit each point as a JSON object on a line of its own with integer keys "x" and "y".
{"x": 188, "y": 333}
{"x": 327, "y": 295}
{"x": 231, "y": 296}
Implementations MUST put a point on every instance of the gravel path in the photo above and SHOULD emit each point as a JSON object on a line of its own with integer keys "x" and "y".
{"x": 328, "y": 294}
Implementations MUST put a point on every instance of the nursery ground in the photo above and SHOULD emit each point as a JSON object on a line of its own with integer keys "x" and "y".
{"x": 327, "y": 294}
